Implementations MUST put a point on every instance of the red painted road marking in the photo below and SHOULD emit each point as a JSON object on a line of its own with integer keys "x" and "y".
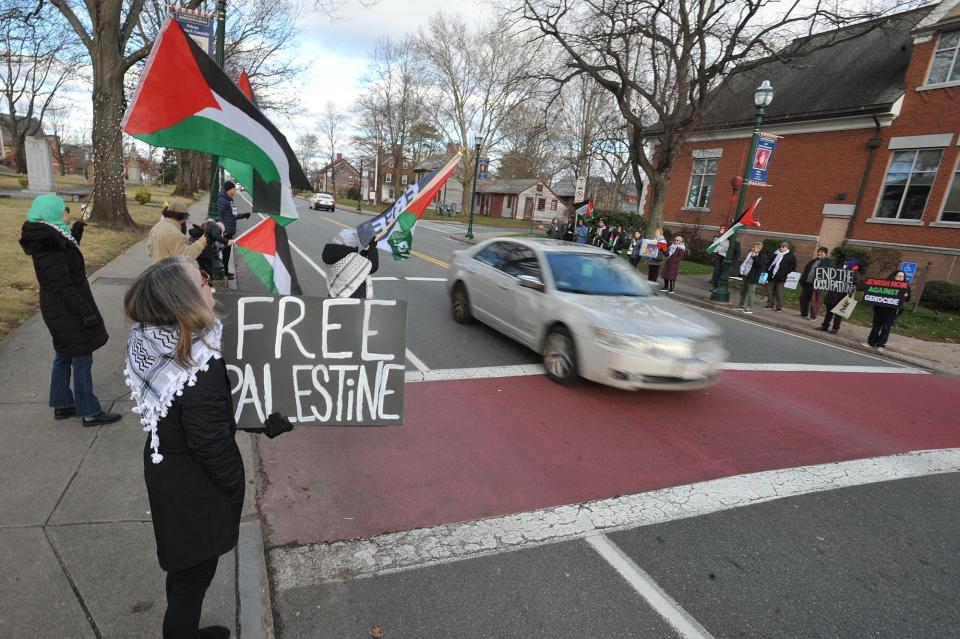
{"x": 482, "y": 448}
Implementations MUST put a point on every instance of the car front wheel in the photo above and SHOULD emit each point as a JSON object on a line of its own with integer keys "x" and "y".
{"x": 461, "y": 305}
{"x": 559, "y": 356}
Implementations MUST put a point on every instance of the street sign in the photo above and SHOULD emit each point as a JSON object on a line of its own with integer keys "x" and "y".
{"x": 761, "y": 159}
{"x": 581, "y": 188}
{"x": 909, "y": 269}
{"x": 196, "y": 24}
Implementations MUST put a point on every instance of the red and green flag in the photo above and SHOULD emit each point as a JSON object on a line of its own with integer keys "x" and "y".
{"x": 185, "y": 101}
{"x": 585, "y": 210}
{"x": 267, "y": 252}
{"x": 744, "y": 220}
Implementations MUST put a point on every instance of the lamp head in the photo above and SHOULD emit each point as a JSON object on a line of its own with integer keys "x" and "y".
{"x": 478, "y": 140}
{"x": 763, "y": 96}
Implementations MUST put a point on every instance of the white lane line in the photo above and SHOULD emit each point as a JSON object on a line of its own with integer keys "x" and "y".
{"x": 384, "y": 278}
{"x": 416, "y": 361}
{"x": 425, "y": 279}
{"x": 522, "y": 370}
{"x": 647, "y": 588}
{"x": 313, "y": 564}
{"x": 779, "y": 330}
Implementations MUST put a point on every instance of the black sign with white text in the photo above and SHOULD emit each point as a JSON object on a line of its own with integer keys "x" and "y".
{"x": 834, "y": 280}
{"x": 319, "y": 361}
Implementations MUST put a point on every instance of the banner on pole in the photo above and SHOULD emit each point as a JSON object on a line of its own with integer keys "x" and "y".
{"x": 198, "y": 25}
{"x": 766, "y": 144}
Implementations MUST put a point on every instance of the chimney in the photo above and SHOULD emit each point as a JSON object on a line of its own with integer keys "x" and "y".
{"x": 339, "y": 156}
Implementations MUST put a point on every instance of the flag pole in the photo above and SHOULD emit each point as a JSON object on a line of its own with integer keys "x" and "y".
{"x": 218, "y": 267}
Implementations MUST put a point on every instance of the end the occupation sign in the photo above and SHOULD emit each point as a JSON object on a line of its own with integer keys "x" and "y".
{"x": 319, "y": 361}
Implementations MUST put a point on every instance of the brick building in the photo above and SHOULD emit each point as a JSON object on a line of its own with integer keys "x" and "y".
{"x": 869, "y": 150}
{"x": 337, "y": 177}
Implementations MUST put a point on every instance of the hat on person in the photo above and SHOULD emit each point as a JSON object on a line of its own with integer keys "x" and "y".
{"x": 176, "y": 209}
{"x": 824, "y": 249}
{"x": 228, "y": 185}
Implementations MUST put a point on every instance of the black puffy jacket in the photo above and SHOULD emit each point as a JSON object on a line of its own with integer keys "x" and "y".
{"x": 66, "y": 302}
{"x": 196, "y": 492}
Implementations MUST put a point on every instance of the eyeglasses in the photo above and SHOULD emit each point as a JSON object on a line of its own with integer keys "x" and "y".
{"x": 204, "y": 278}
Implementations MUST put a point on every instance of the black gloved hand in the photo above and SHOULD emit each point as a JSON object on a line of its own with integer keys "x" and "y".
{"x": 276, "y": 424}
{"x": 196, "y": 232}
{"x": 77, "y": 230}
{"x": 242, "y": 216}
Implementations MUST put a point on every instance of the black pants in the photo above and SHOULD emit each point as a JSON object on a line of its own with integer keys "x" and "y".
{"x": 883, "y": 319}
{"x": 185, "y": 591}
{"x": 668, "y": 284}
{"x": 225, "y": 257}
{"x": 830, "y": 315}
{"x": 653, "y": 271}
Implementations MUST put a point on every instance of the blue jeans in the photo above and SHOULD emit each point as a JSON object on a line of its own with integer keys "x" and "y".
{"x": 82, "y": 397}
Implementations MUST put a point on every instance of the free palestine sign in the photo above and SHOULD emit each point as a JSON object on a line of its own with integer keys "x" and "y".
{"x": 319, "y": 361}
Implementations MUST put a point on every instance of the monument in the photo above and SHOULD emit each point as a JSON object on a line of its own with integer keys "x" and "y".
{"x": 39, "y": 165}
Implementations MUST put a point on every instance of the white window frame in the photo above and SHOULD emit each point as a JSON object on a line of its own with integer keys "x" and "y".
{"x": 954, "y": 180}
{"x": 388, "y": 178}
{"x": 906, "y": 188}
{"x": 693, "y": 174}
{"x": 954, "y": 65}
{"x": 403, "y": 179}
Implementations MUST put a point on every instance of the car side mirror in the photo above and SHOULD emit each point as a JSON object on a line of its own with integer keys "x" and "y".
{"x": 529, "y": 281}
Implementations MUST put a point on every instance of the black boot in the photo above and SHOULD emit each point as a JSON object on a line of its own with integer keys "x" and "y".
{"x": 213, "y": 632}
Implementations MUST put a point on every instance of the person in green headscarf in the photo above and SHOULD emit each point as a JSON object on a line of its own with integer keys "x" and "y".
{"x": 67, "y": 307}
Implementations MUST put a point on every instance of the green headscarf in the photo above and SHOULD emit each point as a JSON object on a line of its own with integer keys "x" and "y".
{"x": 48, "y": 208}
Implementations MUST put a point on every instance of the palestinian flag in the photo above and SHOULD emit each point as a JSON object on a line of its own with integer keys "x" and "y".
{"x": 745, "y": 219}
{"x": 584, "y": 210}
{"x": 393, "y": 229}
{"x": 265, "y": 248}
{"x": 244, "y": 83}
{"x": 185, "y": 101}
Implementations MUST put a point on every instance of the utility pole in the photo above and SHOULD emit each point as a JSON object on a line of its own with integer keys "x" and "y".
{"x": 218, "y": 268}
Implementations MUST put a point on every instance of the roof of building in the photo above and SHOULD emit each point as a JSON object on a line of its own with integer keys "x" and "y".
{"x": 7, "y": 130}
{"x": 564, "y": 187}
{"x": 861, "y": 75}
{"x": 506, "y": 186}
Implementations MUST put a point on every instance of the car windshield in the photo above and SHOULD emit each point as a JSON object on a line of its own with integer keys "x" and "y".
{"x": 596, "y": 274}
{"x": 326, "y": 195}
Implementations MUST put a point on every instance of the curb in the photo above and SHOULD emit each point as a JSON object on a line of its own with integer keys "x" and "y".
{"x": 889, "y": 353}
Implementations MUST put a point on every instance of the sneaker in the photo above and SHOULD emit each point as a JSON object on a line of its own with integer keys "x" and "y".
{"x": 834, "y": 331}
{"x": 664, "y": 290}
{"x": 879, "y": 349}
{"x": 821, "y": 328}
{"x": 779, "y": 310}
{"x": 866, "y": 344}
{"x": 741, "y": 309}
{"x": 803, "y": 316}
{"x": 230, "y": 276}
{"x": 748, "y": 312}
{"x": 101, "y": 419}
{"x": 64, "y": 413}
{"x": 671, "y": 291}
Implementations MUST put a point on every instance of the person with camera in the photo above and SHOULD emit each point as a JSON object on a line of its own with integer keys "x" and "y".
{"x": 228, "y": 216}
{"x": 168, "y": 236}
{"x": 68, "y": 309}
{"x": 212, "y": 233}
{"x": 191, "y": 463}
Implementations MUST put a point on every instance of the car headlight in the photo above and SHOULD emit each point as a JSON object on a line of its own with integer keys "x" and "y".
{"x": 677, "y": 348}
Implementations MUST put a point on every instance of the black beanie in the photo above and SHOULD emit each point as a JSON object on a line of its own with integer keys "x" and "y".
{"x": 228, "y": 185}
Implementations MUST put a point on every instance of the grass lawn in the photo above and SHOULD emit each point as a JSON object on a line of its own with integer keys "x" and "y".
{"x": 18, "y": 283}
{"x": 695, "y": 268}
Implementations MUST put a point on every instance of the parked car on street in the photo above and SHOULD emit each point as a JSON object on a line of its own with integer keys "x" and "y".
{"x": 323, "y": 202}
{"x": 587, "y": 312}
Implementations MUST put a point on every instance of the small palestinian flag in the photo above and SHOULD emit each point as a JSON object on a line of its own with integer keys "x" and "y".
{"x": 393, "y": 229}
{"x": 745, "y": 219}
{"x": 265, "y": 248}
{"x": 185, "y": 101}
{"x": 584, "y": 210}
{"x": 244, "y": 83}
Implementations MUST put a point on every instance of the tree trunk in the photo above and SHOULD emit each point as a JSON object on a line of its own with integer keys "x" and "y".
{"x": 469, "y": 171}
{"x": 19, "y": 143}
{"x": 190, "y": 173}
{"x": 109, "y": 197}
{"x": 659, "y": 183}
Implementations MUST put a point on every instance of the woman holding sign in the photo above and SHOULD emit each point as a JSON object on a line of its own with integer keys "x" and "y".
{"x": 191, "y": 462}
{"x": 885, "y": 316}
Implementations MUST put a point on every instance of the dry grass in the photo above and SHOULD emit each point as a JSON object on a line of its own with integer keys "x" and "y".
{"x": 18, "y": 283}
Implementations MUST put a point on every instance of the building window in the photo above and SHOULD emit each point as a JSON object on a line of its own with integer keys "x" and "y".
{"x": 403, "y": 179}
{"x": 553, "y": 205}
{"x": 945, "y": 67}
{"x": 908, "y": 183}
{"x": 701, "y": 182}
{"x": 541, "y": 204}
{"x": 388, "y": 178}
{"x": 951, "y": 208}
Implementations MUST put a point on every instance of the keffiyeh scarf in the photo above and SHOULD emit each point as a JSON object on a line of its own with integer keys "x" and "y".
{"x": 156, "y": 377}
{"x": 346, "y": 275}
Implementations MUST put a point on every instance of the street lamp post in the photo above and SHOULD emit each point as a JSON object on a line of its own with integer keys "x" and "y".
{"x": 219, "y": 269}
{"x": 762, "y": 98}
{"x": 360, "y": 194}
{"x": 476, "y": 173}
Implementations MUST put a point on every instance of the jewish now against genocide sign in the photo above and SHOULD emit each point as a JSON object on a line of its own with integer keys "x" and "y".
{"x": 833, "y": 280}
{"x": 319, "y": 361}
{"x": 887, "y": 293}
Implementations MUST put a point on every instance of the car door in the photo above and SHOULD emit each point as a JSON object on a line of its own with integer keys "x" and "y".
{"x": 485, "y": 280}
{"x": 522, "y": 307}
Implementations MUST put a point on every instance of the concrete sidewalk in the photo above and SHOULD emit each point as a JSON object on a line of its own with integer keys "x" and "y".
{"x": 942, "y": 357}
{"x": 77, "y": 553}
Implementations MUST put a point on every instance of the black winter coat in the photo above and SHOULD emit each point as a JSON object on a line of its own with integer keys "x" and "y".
{"x": 196, "y": 492}
{"x": 333, "y": 253}
{"x": 66, "y": 303}
{"x": 760, "y": 262}
{"x": 788, "y": 264}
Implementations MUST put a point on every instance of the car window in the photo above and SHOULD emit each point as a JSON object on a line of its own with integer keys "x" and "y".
{"x": 495, "y": 255}
{"x": 596, "y": 274}
{"x": 523, "y": 261}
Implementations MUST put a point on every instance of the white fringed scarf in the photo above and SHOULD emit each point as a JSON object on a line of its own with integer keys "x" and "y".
{"x": 156, "y": 377}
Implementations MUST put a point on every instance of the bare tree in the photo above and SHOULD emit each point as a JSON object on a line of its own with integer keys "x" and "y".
{"x": 35, "y": 63}
{"x": 307, "y": 147}
{"x": 578, "y": 105}
{"x": 55, "y": 121}
{"x": 530, "y": 146}
{"x": 391, "y": 115}
{"x": 479, "y": 78}
{"x": 662, "y": 60}
{"x": 332, "y": 124}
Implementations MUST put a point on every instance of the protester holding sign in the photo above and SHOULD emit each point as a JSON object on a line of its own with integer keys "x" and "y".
{"x": 671, "y": 267}
{"x": 754, "y": 265}
{"x": 850, "y": 270}
{"x": 885, "y": 314}
{"x": 810, "y": 296}
{"x": 783, "y": 263}
{"x": 192, "y": 465}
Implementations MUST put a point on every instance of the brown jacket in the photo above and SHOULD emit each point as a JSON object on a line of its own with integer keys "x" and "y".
{"x": 165, "y": 239}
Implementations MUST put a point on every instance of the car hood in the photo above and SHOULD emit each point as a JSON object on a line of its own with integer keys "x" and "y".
{"x": 652, "y": 315}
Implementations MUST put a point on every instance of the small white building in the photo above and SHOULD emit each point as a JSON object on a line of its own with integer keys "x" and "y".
{"x": 520, "y": 199}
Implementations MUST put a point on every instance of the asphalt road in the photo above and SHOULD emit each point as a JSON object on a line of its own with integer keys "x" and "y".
{"x": 776, "y": 504}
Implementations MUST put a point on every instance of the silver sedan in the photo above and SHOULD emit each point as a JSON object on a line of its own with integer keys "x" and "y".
{"x": 587, "y": 312}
